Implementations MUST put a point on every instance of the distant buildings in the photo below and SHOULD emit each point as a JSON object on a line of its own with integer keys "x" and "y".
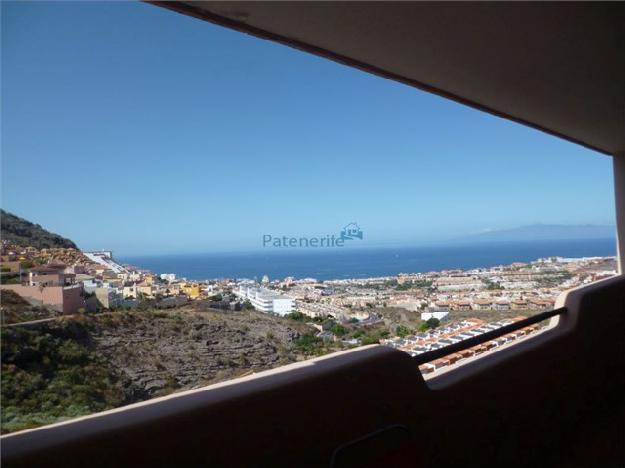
{"x": 50, "y": 286}
{"x": 94, "y": 280}
{"x": 169, "y": 277}
{"x": 519, "y": 304}
{"x": 129, "y": 291}
{"x": 458, "y": 283}
{"x": 266, "y": 300}
{"x": 108, "y": 298}
{"x": 316, "y": 309}
{"x": 105, "y": 258}
{"x": 501, "y": 305}
{"x": 50, "y": 275}
{"x": 191, "y": 289}
{"x": 482, "y": 304}
{"x": 438, "y": 315}
{"x": 456, "y": 333}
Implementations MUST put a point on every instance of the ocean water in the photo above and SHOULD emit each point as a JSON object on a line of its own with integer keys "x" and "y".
{"x": 338, "y": 263}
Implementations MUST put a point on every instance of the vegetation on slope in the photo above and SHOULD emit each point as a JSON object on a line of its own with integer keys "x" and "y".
{"x": 18, "y": 231}
{"x": 85, "y": 364}
{"x": 50, "y": 374}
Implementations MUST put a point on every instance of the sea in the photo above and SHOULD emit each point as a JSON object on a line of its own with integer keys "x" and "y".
{"x": 342, "y": 263}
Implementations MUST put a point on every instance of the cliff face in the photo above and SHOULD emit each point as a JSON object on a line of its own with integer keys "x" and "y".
{"x": 74, "y": 366}
{"x": 20, "y": 232}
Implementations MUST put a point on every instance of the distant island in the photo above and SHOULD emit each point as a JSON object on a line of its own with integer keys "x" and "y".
{"x": 544, "y": 232}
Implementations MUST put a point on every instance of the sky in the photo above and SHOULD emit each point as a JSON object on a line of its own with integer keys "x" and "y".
{"x": 129, "y": 127}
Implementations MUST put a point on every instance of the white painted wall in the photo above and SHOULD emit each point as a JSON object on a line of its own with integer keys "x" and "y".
{"x": 436, "y": 315}
{"x": 282, "y": 306}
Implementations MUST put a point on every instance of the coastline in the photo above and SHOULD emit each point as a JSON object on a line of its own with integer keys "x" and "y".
{"x": 360, "y": 263}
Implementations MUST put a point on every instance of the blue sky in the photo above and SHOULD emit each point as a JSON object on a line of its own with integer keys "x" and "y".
{"x": 130, "y": 127}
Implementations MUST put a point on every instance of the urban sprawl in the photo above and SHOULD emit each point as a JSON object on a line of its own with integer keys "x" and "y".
{"x": 451, "y": 305}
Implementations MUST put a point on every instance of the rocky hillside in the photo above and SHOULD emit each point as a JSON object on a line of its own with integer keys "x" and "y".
{"x": 20, "y": 232}
{"x": 162, "y": 351}
{"x": 70, "y": 367}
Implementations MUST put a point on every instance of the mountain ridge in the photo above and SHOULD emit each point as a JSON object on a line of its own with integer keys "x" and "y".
{"x": 545, "y": 232}
{"x": 24, "y": 233}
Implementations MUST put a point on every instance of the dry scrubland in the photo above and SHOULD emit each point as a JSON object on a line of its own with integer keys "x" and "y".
{"x": 86, "y": 363}
{"x": 79, "y": 365}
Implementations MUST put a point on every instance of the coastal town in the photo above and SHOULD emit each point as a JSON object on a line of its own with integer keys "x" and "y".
{"x": 413, "y": 312}
{"x": 312, "y": 234}
{"x": 83, "y": 326}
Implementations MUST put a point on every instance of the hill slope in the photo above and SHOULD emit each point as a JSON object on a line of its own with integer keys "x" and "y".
{"x": 18, "y": 231}
{"x": 84, "y": 364}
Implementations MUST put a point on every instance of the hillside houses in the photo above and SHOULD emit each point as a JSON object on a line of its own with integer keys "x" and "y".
{"x": 93, "y": 281}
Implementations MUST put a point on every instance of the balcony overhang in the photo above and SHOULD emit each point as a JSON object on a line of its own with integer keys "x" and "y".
{"x": 557, "y": 67}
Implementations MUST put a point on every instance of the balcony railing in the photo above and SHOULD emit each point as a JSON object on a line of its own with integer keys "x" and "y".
{"x": 434, "y": 354}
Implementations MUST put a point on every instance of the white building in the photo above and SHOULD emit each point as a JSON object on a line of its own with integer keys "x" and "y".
{"x": 169, "y": 277}
{"x": 265, "y": 300}
{"x": 439, "y": 315}
{"x": 105, "y": 258}
{"x": 315, "y": 309}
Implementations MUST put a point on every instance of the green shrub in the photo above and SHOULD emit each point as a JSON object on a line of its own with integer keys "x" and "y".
{"x": 308, "y": 343}
{"x": 49, "y": 376}
{"x": 367, "y": 340}
{"x": 296, "y": 316}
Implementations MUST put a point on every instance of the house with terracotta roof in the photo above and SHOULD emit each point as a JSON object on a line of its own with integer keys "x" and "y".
{"x": 501, "y": 305}
{"x": 50, "y": 275}
{"x": 482, "y": 304}
{"x": 462, "y": 305}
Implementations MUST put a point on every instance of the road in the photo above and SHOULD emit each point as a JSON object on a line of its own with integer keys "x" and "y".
{"x": 36, "y": 322}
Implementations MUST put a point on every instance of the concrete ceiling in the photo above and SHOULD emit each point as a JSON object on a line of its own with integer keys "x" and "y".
{"x": 558, "y": 67}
